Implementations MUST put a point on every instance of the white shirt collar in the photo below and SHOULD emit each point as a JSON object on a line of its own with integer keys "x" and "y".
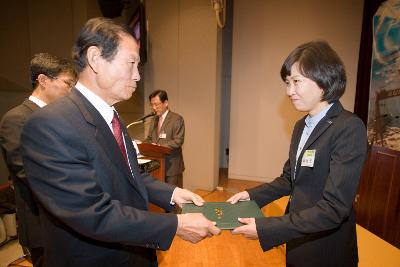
{"x": 37, "y": 101}
{"x": 106, "y": 111}
{"x": 312, "y": 121}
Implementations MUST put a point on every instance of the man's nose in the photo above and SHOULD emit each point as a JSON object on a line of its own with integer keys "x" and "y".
{"x": 136, "y": 75}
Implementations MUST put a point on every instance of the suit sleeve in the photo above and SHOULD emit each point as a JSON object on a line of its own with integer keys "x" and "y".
{"x": 178, "y": 136}
{"x": 348, "y": 153}
{"x": 266, "y": 193}
{"x": 160, "y": 193}
{"x": 10, "y": 134}
{"x": 61, "y": 173}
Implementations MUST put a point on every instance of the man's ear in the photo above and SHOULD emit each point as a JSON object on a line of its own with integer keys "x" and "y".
{"x": 42, "y": 80}
{"x": 93, "y": 55}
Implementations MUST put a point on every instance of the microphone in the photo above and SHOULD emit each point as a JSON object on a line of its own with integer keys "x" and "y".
{"x": 141, "y": 120}
{"x": 148, "y": 115}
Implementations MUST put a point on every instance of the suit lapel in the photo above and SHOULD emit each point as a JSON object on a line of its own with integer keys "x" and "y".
{"x": 155, "y": 128}
{"x": 297, "y": 132}
{"x": 131, "y": 151}
{"x": 324, "y": 124}
{"x": 321, "y": 127}
{"x": 104, "y": 136}
{"x": 103, "y": 133}
{"x": 166, "y": 121}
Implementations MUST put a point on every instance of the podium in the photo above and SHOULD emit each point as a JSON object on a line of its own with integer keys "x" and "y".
{"x": 155, "y": 152}
{"x": 158, "y": 153}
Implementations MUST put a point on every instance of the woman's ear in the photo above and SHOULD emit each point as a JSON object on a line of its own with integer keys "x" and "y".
{"x": 93, "y": 56}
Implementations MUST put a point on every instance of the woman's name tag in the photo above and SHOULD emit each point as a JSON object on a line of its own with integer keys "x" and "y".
{"x": 308, "y": 158}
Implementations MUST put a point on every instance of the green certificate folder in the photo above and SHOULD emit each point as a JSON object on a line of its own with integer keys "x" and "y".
{"x": 224, "y": 213}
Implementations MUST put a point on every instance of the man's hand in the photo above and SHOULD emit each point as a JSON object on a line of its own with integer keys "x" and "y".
{"x": 194, "y": 227}
{"x": 185, "y": 196}
{"x": 244, "y": 195}
{"x": 248, "y": 230}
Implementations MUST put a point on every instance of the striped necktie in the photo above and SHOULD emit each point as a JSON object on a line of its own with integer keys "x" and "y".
{"x": 116, "y": 125}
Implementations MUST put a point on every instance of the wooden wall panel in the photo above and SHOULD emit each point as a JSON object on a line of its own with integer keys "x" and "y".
{"x": 377, "y": 202}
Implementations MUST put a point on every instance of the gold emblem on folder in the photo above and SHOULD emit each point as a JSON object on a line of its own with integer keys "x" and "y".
{"x": 218, "y": 212}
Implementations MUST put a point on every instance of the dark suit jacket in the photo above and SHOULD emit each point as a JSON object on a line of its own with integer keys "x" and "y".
{"x": 27, "y": 211}
{"x": 93, "y": 211}
{"x": 174, "y": 128}
{"x": 319, "y": 225}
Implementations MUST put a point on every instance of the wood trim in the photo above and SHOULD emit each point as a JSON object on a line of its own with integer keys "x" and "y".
{"x": 377, "y": 202}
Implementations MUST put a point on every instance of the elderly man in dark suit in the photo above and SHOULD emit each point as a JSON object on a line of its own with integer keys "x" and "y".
{"x": 321, "y": 176}
{"x": 52, "y": 77}
{"x": 82, "y": 166}
{"x": 168, "y": 129}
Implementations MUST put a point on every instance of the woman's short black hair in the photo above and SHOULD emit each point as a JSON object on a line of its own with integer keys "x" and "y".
{"x": 320, "y": 63}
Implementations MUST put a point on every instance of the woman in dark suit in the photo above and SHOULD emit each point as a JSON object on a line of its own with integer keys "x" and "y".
{"x": 327, "y": 152}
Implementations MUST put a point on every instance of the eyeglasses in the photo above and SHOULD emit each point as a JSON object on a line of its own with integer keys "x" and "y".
{"x": 69, "y": 83}
{"x": 156, "y": 105}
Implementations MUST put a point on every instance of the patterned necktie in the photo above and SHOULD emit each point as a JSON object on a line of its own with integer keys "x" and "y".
{"x": 118, "y": 135}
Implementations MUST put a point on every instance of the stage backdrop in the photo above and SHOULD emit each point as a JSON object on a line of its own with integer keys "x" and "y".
{"x": 384, "y": 101}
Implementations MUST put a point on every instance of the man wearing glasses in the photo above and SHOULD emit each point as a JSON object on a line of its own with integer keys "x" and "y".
{"x": 52, "y": 78}
{"x": 168, "y": 129}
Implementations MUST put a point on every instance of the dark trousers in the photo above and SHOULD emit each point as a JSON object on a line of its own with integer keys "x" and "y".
{"x": 178, "y": 181}
{"x": 36, "y": 256}
{"x": 175, "y": 180}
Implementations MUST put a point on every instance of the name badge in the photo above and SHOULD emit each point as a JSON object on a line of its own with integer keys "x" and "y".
{"x": 308, "y": 158}
{"x": 162, "y": 135}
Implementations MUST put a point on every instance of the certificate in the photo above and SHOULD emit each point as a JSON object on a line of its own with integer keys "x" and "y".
{"x": 224, "y": 213}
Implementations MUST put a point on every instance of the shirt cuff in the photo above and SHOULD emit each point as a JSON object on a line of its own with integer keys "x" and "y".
{"x": 172, "y": 197}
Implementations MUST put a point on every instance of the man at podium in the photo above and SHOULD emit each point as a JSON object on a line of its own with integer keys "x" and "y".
{"x": 167, "y": 129}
